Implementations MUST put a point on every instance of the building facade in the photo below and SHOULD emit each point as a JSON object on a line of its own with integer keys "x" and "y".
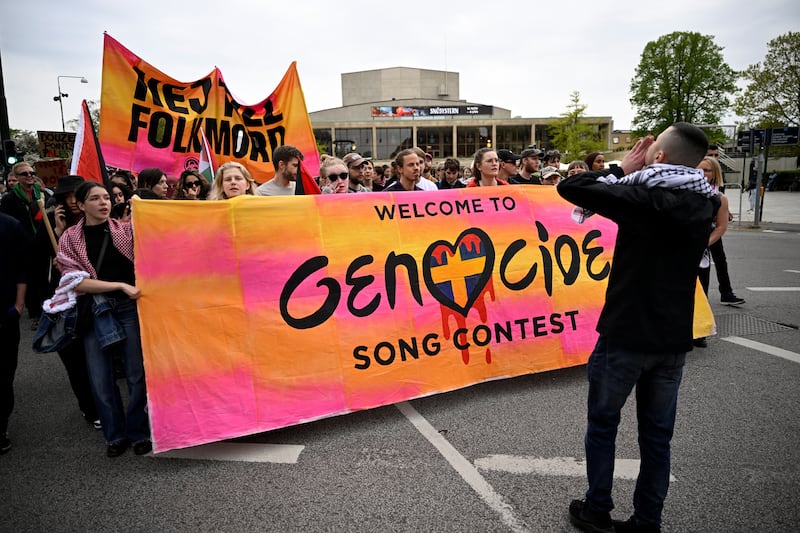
{"x": 387, "y": 110}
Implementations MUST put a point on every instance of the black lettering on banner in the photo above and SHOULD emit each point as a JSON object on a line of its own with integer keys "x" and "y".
{"x": 569, "y": 274}
{"x": 547, "y": 260}
{"x": 269, "y": 118}
{"x": 592, "y": 253}
{"x": 219, "y": 139}
{"x": 327, "y": 308}
{"x": 136, "y": 122}
{"x": 172, "y": 98}
{"x": 390, "y": 275}
{"x": 179, "y": 128}
{"x": 259, "y": 147}
{"x": 159, "y": 134}
{"x": 276, "y": 137}
{"x": 558, "y": 326}
{"x": 241, "y": 141}
{"x": 359, "y": 283}
{"x": 508, "y": 255}
{"x": 358, "y": 354}
{"x": 194, "y": 135}
{"x": 196, "y": 105}
{"x": 249, "y": 121}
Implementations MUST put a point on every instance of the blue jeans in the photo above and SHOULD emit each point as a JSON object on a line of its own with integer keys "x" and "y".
{"x": 613, "y": 372}
{"x": 117, "y": 424}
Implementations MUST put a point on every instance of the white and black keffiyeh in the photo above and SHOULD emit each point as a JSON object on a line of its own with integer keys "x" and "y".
{"x": 656, "y": 175}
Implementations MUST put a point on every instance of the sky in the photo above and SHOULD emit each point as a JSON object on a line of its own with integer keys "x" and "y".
{"x": 519, "y": 55}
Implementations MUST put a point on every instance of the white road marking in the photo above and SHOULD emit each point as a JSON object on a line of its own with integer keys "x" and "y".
{"x": 461, "y": 465}
{"x": 773, "y": 231}
{"x": 238, "y": 451}
{"x": 793, "y": 271}
{"x": 554, "y": 466}
{"x": 766, "y": 348}
{"x": 773, "y": 289}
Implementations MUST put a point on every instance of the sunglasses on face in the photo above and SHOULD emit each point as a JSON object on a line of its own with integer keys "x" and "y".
{"x": 29, "y": 174}
{"x": 193, "y": 184}
{"x": 343, "y": 176}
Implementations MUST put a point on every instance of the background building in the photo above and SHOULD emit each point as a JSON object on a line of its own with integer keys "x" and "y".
{"x": 387, "y": 110}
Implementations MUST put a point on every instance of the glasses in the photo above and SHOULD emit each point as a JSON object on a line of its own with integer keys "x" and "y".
{"x": 343, "y": 176}
{"x": 29, "y": 174}
{"x": 192, "y": 185}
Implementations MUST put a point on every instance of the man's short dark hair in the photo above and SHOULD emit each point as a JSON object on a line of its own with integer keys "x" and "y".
{"x": 713, "y": 147}
{"x": 686, "y": 145}
{"x": 285, "y": 153}
{"x": 452, "y": 164}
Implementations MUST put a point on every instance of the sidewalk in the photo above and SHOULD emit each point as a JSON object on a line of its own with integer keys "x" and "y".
{"x": 781, "y": 210}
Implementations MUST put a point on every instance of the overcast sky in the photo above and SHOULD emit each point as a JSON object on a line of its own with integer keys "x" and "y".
{"x": 520, "y": 55}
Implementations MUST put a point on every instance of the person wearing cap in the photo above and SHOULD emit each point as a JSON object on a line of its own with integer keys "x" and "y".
{"x": 529, "y": 168}
{"x": 355, "y": 166}
{"x": 550, "y": 176}
{"x": 64, "y": 214}
{"x": 508, "y": 164}
{"x": 286, "y": 160}
{"x": 427, "y": 168}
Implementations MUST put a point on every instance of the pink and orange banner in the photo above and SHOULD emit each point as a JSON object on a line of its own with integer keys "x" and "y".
{"x": 264, "y": 312}
{"x": 152, "y": 120}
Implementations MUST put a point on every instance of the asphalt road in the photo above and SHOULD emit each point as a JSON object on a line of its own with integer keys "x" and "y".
{"x": 477, "y": 467}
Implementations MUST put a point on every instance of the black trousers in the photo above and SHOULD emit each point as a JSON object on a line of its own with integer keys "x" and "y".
{"x": 721, "y": 266}
{"x": 9, "y": 353}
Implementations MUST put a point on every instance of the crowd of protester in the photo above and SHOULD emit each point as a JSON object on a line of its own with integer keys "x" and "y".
{"x": 93, "y": 253}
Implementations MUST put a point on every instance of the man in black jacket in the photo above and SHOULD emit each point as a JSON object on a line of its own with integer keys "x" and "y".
{"x": 663, "y": 208}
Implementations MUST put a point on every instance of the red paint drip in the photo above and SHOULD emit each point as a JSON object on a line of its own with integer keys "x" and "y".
{"x": 461, "y": 321}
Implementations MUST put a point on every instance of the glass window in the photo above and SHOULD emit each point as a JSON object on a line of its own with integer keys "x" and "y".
{"x": 392, "y": 140}
{"x": 436, "y": 141}
{"x": 357, "y": 139}
{"x": 514, "y": 138}
{"x": 471, "y": 138}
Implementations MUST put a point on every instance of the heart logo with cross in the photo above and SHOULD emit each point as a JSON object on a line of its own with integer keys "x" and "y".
{"x": 456, "y": 274}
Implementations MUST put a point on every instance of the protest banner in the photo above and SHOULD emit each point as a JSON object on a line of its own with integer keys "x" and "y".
{"x": 263, "y": 312}
{"x": 152, "y": 120}
{"x": 55, "y": 144}
{"x": 50, "y": 170}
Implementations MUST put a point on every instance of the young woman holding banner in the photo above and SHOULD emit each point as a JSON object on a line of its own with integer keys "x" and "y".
{"x": 99, "y": 250}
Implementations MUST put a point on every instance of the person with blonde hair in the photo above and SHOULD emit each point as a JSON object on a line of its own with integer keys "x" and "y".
{"x": 231, "y": 180}
{"x": 713, "y": 172}
{"x": 334, "y": 172}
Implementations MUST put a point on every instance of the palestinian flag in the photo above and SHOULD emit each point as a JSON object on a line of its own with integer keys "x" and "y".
{"x": 87, "y": 159}
{"x": 208, "y": 163}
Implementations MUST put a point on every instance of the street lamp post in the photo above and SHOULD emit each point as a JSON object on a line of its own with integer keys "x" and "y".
{"x": 61, "y": 96}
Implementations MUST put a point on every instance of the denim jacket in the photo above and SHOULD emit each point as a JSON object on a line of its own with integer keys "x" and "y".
{"x": 106, "y": 328}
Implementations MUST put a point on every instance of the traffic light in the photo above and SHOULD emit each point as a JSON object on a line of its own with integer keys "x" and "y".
{"x": 10, "y": 152}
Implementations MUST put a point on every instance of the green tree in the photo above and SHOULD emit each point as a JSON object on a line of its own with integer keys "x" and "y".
{"x": 681, "y": 77}
{"x": 572, "y": 134}
{"x": 26, "y": 142}
{"x": 94, "y": 112}
{"x": 772, "y": 96}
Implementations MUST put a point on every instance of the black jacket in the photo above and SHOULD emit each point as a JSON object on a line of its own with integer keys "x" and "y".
{"x": 660, "y": 240}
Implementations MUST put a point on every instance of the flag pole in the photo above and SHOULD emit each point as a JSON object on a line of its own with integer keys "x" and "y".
{"x": 47, "y": 225}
